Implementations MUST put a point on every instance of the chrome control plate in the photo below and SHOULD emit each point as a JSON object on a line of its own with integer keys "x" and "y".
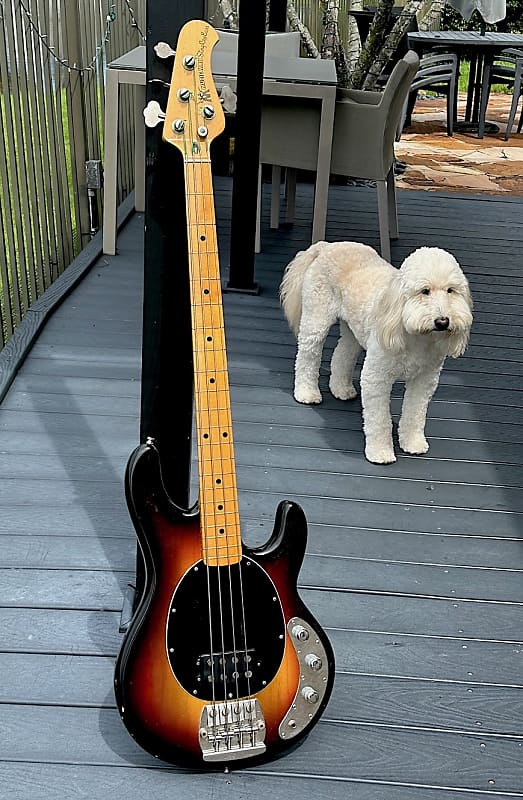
{"x": 314, "y": 673}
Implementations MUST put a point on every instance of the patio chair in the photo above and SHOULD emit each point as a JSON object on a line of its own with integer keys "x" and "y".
{"x": 506, "y": 69}
{"x": 363, "y": 143}
{"x": 437, "y": 72}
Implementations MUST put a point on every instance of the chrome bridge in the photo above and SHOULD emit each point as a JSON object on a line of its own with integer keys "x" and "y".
{"x": 232, "y": 730}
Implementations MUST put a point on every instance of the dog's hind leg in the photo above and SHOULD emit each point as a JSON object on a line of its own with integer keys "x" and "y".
{"x": 343, "y": 362}
{"x": 311, "y": 337}
{"x": 411, "y": 427}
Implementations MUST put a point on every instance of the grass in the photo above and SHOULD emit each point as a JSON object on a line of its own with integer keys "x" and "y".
{"x": 464, "y": 72}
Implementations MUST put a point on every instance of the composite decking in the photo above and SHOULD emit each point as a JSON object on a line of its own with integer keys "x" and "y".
{"x": 414, "y": 569}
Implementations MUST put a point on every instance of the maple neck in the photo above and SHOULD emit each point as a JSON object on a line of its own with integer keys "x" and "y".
{"x": 218, "y": 497}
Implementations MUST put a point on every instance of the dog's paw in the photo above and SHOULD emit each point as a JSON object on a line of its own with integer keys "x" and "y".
{"x": 307, "y": 395}
{"x": 415, "y": 445}
{"x": 342, "y": 390}
{"x": 379, "y": 455}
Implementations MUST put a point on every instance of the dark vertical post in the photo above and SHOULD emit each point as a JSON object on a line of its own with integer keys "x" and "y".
{"x": 167, "y": 372}
{"x": 278, "y": 15}
{"x": 249, "y": 87}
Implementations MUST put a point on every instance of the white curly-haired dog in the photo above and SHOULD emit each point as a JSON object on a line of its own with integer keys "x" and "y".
{"x": 408, "y": 320}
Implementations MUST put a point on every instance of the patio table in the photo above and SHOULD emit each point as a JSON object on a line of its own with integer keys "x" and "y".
{"x": 314, "y": 79}
{"x": 482, "y": 49}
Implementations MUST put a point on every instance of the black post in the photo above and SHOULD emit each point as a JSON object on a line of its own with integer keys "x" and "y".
{"x": 167, "y": 370}
{"x": 278, "y": 15}
{"x": 249, "y": 87}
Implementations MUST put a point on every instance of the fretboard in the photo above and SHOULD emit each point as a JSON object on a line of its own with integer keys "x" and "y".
{"x": 220, "y": 523}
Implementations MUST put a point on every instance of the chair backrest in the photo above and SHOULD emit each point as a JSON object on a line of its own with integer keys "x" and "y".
{"x": 228, "y": 41}
{"x": 372, "y": 124}
{"x": 435, "y": 70}
{"x": 507, "y": 68}
{"x": 285, "y": 44}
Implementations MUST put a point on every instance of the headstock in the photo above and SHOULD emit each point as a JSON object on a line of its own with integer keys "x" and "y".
{"x": 194, "y": 116}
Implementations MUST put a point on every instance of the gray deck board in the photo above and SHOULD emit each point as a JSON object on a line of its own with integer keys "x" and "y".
{"x": 415, "y": 570}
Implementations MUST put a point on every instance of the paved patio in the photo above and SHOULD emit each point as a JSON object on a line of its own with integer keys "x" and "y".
{"x": 461, "y": 163}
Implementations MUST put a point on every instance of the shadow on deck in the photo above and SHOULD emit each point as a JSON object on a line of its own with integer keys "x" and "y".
{"x": 414, "y": 569}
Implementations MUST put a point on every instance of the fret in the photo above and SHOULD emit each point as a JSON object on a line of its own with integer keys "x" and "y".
{"x": 218, "y": 496}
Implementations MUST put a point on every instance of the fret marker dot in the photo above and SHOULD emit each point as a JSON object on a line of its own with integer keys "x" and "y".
{"x": 218, "y": 480}
{"x": 206, "y": 291}
{"x": 212, "y": 380}
{"x": 205, "y": 435}
{"x": 222, "y": 530}
{"x": 220, "y": 508}
{"x": 209, "y": 338}
{"x": 202, "y": 238}
{"x": 225, "y": 434}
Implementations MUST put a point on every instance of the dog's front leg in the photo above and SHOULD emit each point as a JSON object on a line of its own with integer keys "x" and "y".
{"x": 376, "y": 385}
{"x": 411, "y": 427}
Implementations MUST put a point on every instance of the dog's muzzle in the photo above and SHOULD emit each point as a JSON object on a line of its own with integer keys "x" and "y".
{"x": 441, "y": 323}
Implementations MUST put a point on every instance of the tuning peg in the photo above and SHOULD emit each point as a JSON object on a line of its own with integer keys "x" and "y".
{"x": 164, "y": 50}
{"x": 153, "y": 114}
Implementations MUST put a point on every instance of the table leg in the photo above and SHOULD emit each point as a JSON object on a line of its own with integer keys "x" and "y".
{"x": 321, "y": 194}
{"x": 139, "y": 149}
{"x": 470, "y": 88}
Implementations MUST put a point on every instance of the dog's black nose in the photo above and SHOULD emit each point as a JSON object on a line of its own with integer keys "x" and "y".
{"x": 441, "y": 323}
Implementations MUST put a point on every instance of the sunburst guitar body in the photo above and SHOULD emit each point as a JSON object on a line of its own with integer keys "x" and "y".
{"x": 222, "y": 664}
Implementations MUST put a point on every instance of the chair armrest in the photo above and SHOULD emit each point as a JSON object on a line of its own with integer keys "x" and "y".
{"x": 360, "y": 96}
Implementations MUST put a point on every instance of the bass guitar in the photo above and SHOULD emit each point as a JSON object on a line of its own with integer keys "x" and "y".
{"x": 222, "y": 661}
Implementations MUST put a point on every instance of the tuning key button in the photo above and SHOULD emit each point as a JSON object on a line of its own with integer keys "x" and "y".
{"x": 313, "y": 661}
{"x": 163, "y": 50}
{"x": 310, "y": 694}
{"x": 153, "y": 114}
{"x": 300, "y": 633}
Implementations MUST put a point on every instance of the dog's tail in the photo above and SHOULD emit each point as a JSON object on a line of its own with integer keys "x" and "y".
{"x": 292, "y": 283}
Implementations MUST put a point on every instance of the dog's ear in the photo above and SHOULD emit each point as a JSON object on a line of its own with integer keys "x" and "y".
{"x": 462, "y": 317}
{"x": 389, "y": 315}
{"x": 458, "y": 341}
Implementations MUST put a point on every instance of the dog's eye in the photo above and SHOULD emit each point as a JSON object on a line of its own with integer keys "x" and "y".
{"x": 450, "y": 289}
{"x": 425, "y": 291}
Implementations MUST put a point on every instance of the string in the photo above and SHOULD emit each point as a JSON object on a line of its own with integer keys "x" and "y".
{"x": 198, "y": 286}
{"x": 214, "y": 420}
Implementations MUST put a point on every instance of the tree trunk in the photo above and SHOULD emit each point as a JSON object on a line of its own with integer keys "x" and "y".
{"x": 429, "y": 15}
{"x": 372, "y": 47}
{"x": 230, "y": 16}
{"x": 296, "y": 24}
{"x": 353, "y": 39}
{"x": 392, "y": 41}
{"x": 331, "y": 46}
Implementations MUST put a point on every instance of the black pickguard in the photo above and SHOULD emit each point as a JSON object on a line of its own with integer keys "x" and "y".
{"x": 226, "y": 631}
